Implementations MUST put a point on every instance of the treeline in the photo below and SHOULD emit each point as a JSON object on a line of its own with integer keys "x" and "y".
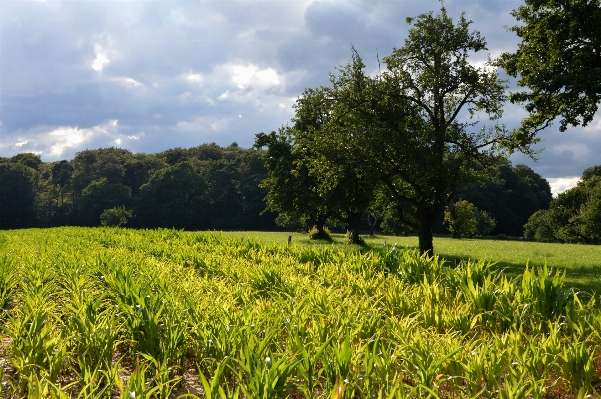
{"x": 510, "y": 196}
{"x": 205, "y": 187}
{"x": 574, "y": 216}
{"x": 214, "y": 187}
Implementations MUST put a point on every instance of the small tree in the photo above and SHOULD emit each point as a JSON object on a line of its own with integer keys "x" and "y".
{"x": 486, "y": 223}
{"x": 461, "y": 218}
{"x": 465, "y": 219}
{"x": 115, "y": 217}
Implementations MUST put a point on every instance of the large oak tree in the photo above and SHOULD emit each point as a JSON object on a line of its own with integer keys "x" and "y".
{"x": 421, "y": 136}
{"x": 413, "y": 128}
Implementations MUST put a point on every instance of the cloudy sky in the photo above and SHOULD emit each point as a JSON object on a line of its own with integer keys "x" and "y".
{"x": 152, "y": 75}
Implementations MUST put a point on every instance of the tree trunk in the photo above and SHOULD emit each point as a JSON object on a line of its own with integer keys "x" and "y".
{"x": 320, "y": 225}
{"x": 352, "y": 229}
{"x": 426, "y": 243}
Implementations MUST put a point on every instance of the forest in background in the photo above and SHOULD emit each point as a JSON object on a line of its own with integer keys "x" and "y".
{"x": 210, "y": 187}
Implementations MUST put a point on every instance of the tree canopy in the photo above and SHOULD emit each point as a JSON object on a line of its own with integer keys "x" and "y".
{"x": 509, "y": 194}
{"x": 412, "y": 129}
{"x": 78, "y": 191}
{"x": 430, "y": 159}
{"x": 559, "y": 60}
{"x": 574, "y": 216}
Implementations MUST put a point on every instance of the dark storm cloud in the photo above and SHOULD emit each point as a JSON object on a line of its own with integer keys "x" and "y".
{"x": 152, "y": 75}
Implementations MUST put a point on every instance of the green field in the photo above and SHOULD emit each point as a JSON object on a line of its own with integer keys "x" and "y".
{"x": 581, "y": 262}
{"x": 108, "y": 312}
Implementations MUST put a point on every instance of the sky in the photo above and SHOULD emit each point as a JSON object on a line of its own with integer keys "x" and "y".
{"x": 154, "y": 75}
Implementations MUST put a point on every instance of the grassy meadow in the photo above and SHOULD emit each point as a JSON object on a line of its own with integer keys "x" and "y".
{"x": 119, "y": 313}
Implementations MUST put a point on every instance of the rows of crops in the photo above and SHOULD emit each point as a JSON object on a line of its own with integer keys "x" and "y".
{"x": 137, "y": 314}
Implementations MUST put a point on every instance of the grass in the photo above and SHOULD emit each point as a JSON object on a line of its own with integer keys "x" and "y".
{"x": 581, "y": 262}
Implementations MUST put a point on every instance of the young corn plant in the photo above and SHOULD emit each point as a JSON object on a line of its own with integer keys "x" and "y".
{"x": 576, "y": 366}
{"x": 270, "y": 282}
{"x": 91, "y": 381}
{"x": 434, "y": 297}
{"x": 338, "y": 361}
{"x": 213, "y": 389}
{"x": 475, "y": 271}
{"x": 265, "y": 377}
{"x": 544, "y": 291}
{"x": 43, "y": 388}
{"x": 141, "y": 308}
{"x": 308, "y": 367}
{"x": 476, "y": 363}
{"x": 93, "y": 326}
{"x": 38, "y": 350}
{"x": 532, "y": 358}
{"x": 459, "y": 317}
{"x": 412, "y": 267}
{"x": 147, "y": 381}
{"x": 173, "y": 342}
{"x": 426, "y": 365}
{"x": 8, "y": 282}
{"x": 515, "y": 386}
{"x": 379, "y": 373}
{"x": 398, "y": 299}
{"x": 482, "y": 297}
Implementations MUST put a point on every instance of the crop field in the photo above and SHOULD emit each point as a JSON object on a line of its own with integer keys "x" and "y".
{"x": 103, "y": 312}
{"x": 581, "y": 262}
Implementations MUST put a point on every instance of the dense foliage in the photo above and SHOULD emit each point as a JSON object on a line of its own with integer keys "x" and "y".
{"x": 510, "y": 195}
{"x": 152, "y": 313}
{"x": 559, "y": 60}
{"x": 57, "y": 193}
{"x": 205, "y": 187}
{"x": 464, "y": 219}
{"x": 399, "y": 144}
{"x": 574, "y": 216}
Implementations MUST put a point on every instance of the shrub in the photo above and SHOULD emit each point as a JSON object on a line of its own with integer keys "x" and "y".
{"x": 316, "y": 234}
{"x": 115, "y": 217}
{"x": 464, "y": 218}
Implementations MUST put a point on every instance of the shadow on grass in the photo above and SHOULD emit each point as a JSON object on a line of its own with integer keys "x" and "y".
{"x": 586, "y": 279}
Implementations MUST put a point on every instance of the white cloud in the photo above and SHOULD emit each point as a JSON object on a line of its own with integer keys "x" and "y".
{"x": 128, "y": 82}
{"x": 123, "y": 140}
{"x": 194, "y": 77}
{"x": 104, "y": 51}
{"x": 137, "y": 136}
{"x": 67, "y": 137}
{"x": 268, "y": 77}
{"x": 187, "y": 96}
{"x": 204, "y": 123}
{"x": 561, "y": 184}
{"x": 53, "y": 142}
{"x": 243, "y": 75}
{"x": 594, "y": 128}
{"x": 100, "y": 60}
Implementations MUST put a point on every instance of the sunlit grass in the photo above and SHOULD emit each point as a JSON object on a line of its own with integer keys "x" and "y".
{"x": 99, "y": 312}
{"x": 582, "y": 262}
